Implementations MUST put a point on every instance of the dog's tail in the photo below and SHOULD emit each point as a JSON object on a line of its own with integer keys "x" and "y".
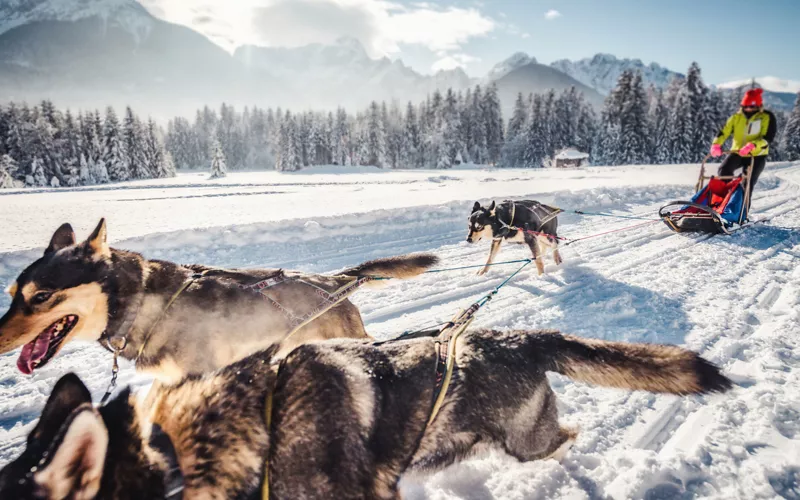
{"x": 399, "y": 267}
{"x": 646, "y": 367}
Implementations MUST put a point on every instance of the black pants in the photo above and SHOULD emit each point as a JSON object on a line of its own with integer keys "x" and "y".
{"x": 734, "y": 161}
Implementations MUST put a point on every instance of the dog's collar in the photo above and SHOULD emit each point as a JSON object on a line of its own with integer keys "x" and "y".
{"x": 126, "y": 327}
{"x": 173, "y": 476}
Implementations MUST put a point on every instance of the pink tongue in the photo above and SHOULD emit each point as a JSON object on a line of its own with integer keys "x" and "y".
{"x": 33, "y": 351}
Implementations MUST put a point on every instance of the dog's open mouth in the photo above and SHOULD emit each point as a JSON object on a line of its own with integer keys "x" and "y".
{"x": 40, "y": 350}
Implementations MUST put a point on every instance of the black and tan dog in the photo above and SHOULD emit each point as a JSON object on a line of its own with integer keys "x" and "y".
{"x": 524, "y": 221}
{"x": 339, "y": 420}
{"x": 92, "y": 292}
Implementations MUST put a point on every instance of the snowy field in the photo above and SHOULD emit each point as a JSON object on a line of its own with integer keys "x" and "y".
{"x": 735, "y": 299}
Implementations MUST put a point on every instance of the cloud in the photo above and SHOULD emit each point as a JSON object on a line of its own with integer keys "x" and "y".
{"x": 552, "y": 14}
{"x": 382, "y": 26}
{"x": 453, "y": 61}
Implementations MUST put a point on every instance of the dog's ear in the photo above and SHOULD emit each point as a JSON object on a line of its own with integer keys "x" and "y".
{"x": 492, "y": 208}
{"x": 62, "y": 238}
{"x": 98, "y": 240}
{"x": 476, "y": 207}
{"x": 76, "y": 466}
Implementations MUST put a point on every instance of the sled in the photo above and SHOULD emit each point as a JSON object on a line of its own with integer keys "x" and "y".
{"x": 718, "y": 206}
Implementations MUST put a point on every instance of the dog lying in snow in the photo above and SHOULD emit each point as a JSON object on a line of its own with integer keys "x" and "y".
{"x": 524, "y": 221}
{"x": 92, "y": 292}
{"x": 346, "y": 418}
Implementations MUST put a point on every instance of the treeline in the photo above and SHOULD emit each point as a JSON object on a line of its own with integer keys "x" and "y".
{"x": 637, "y": 125}
{"x": 446, "y": 129}
{"x": 41, "y": 146}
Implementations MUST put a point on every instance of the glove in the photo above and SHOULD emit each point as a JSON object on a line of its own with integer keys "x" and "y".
{"x": 747, "y": 149}
{"x": 716, "y": 150}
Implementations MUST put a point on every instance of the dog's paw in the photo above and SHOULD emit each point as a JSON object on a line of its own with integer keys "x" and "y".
{"x": 482, "y": 272}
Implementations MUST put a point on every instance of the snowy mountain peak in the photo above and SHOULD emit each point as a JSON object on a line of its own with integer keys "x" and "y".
{"x": 517, "y": 60}
{"x": 349, "y": 47}
{"x": 128, "y": 14}
{"x": 602, "y": 71}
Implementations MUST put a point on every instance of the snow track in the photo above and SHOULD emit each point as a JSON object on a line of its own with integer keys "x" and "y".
{"x": 732, "y": 298}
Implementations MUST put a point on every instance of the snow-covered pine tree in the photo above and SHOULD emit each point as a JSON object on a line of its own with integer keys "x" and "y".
{"x": 514, "y": 146}
{"x": 290, "y": 153}
{"x": 70, "y": 150}
{"x": 564, "y": 120}
{"x": 519, "y": 117}
{"x": 218, "y": 167}
{"x": 158, "y": 161}
{"x": 86, "y": 173}
{"x": 327, "y": 138}
{"x": 680, "y": 130}
{"x": 341, "y": 138}
{"x": 609, "y": 150}
{"x": 15, "y": 140}
{"x": 181, "y": 143}
{"x": 479, "y": 152}
{"x": 493, "y": 122}
{"x": 704, "y": 122}
{"x": 230, "y": 136}
{"x": 586, "y": 127}
{"x": 133, "y": 143}
{"x": 376, "y": 137}
{"x": 42, "y": 144}
{"x": 633, "y": 125}
{"x": 535, "y": 150}
{"x": 395, "y": 137}
{"x": 100, "y": 172}
{"x": 411, "y": 156}
{"x": 36, "y": 176}
{"x": 790, "y": 139}
{"x": 113, "y": 149}
{"x": 451, "y": 143}
{"x": 658, "y": 118}
{"x": 168, "y": 166}
{"x": 8, "y": 172}
{"x": 467, "y": 126}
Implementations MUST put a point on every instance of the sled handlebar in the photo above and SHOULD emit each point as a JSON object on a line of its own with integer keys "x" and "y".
{"x": 703, "y": 175}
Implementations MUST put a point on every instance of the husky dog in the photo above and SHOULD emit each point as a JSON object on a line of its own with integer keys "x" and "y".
{"x": 92, "y": 292}
{"x": 335, "y": 420}
{"x": 524, "y": 221}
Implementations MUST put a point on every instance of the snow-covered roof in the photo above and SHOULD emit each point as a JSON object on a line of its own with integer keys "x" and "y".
{"x": 571, "y": 154}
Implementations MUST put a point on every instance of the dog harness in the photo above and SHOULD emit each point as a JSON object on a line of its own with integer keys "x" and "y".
{"x": 549, "y": 215}
{"x": 116, "y": 344}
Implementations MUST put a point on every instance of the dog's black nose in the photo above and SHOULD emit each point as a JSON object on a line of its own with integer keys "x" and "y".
{"x": 469, "y": 240}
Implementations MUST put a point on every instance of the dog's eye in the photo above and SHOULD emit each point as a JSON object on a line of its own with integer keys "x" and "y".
{"x": 41, "y": 297}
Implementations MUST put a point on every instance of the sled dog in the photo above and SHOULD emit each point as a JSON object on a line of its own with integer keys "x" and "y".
{"x": 524, "y": 221}
{"x": 175, "y": 319}
{"x": 340, "y": 419}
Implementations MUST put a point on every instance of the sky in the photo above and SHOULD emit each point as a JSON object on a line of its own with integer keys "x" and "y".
{"x": 730, "y": 39}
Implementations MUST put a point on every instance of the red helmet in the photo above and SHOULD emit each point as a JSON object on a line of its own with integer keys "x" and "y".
{"x": 752, "y": 98}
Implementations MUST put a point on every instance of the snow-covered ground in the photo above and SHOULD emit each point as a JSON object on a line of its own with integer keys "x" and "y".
{"x": 734, "y": 298}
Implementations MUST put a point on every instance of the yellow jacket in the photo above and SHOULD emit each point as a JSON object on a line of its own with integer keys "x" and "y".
{"x": 758, "y": 129}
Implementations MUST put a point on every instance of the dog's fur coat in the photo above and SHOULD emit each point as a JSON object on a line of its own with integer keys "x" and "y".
{"x": 211, "y": 324}
{"x": 348, "y": 417}
{"x": 523, "y": 221}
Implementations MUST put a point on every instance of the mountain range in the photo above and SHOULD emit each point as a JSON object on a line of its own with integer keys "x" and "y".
{"x": 92, "y": 53}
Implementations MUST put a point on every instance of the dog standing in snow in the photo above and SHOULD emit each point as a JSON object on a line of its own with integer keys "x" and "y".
{"x": 175, "y": 319}
{"x": 524, "y": 221}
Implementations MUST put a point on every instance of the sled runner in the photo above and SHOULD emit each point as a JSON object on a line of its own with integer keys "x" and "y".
{"x": 718, "y": 206}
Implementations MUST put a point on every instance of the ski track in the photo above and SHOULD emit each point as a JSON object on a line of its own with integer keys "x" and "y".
{"x": 732, "y": 298}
